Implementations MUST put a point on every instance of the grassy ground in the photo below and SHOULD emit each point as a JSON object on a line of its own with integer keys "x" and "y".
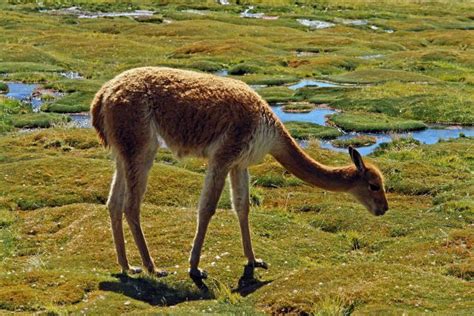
{"x": 328, "y": 255}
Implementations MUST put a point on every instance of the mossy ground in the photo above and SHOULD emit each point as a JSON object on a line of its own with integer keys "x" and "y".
{"x": 328, "y": 255}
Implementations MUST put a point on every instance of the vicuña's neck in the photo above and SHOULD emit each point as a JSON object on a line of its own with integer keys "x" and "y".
{"x": 296, "y": 161}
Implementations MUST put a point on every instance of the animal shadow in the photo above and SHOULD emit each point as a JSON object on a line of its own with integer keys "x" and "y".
{"x": 152, "y": 291}
{"x": 248, "y": 283}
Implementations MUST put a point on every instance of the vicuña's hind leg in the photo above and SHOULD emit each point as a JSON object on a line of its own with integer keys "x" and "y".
{"x": 136, "y": 174}
{"x": 115, "y": 205}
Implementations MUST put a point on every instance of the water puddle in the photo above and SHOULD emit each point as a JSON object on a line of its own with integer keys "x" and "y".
{"x": 318, "y": 24}
{"x": 305, "y": 54}
{"x": 313, "y": 83}
{"x": 81, "y": 120}
{"x": 428, "y": 136}
{"x": 351, "y": 22}
{"x": 197, "y": 12}
{"x": 258, "y": 86}
{"x": 315, "y": 24}
{"x": 222, "y": 73}
{"x": 71, "y": 75}
{"x": 433, "y": 135}
{"x": 380, "y": 138}
{"x": 95, "y": 15}
{"x": 20, "y": 91}
{"x": 318, "y": 115}
{"x": 368, "y": 57}
{"x": 82, "y": 14}
{"x": 252, "y": 15}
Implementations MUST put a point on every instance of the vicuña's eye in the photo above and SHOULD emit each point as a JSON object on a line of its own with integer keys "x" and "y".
{"x": 374, "y": 187}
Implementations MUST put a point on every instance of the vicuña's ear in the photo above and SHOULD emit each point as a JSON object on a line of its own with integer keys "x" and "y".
{"x": 357, "y": 159}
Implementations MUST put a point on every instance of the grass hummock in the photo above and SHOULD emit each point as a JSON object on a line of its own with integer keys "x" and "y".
{"x": 357, "y": 141}
{"x": 72, "y": 103}
{"x": 307, "y": 130}
{"x": 3, "y": 88}
{"x": 277, "y": 94}
{"x": 372, "y": 122}
{"x": 298, "y": 107}
{"x": 244, "y": 68}
{"x": 38, "y": 120}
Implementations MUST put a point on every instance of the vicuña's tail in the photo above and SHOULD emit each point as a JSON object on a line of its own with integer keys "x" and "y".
{"x": 98, "y": 117}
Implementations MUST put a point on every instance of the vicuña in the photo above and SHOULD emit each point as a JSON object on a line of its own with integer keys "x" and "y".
{"x": 208, "y": 116}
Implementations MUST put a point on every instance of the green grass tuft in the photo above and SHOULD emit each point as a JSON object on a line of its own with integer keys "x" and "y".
{"x": 306, "y": 130}
{"x": 359, "y": 122}
{"x": 244, "y": 68}
{"x": 38, "y": 120}
{"x": 3, "y": 88}
{"x": 277, "y": 94}
{"x": 73, "y": 103}
{"x": 298, "y": 108}
{"x": 358, "y": 141}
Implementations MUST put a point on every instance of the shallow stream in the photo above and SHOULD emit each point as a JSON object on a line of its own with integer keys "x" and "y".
{"x": 431, "y": 135}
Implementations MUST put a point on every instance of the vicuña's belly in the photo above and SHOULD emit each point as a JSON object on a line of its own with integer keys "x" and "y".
{"x": 252, "y": 146}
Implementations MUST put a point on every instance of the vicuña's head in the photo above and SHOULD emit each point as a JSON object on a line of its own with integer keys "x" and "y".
{"x": 368, "y": 187}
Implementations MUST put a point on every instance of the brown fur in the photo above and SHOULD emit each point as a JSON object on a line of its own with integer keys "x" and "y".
{"x": 204, "y": 115}
{"x": 180, "y": 103}
{"x": 98, "y": 118}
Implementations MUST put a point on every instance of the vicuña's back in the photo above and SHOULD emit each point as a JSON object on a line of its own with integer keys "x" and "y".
{"x": 218, "y": 118}
{"x": 193, "y": 113}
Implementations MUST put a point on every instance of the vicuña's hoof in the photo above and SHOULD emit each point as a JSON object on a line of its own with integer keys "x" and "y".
{"x": 160, "y": 273}
{"x": 197, "y": 276}
{"x": 249, "y": 269}
{"x": 259, "y": 263}
{"x": 132, "y": 270}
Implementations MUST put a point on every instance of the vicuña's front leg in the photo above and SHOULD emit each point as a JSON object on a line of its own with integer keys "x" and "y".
{"x": 213, "y": 185}
{"x": 240, "y": 198}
